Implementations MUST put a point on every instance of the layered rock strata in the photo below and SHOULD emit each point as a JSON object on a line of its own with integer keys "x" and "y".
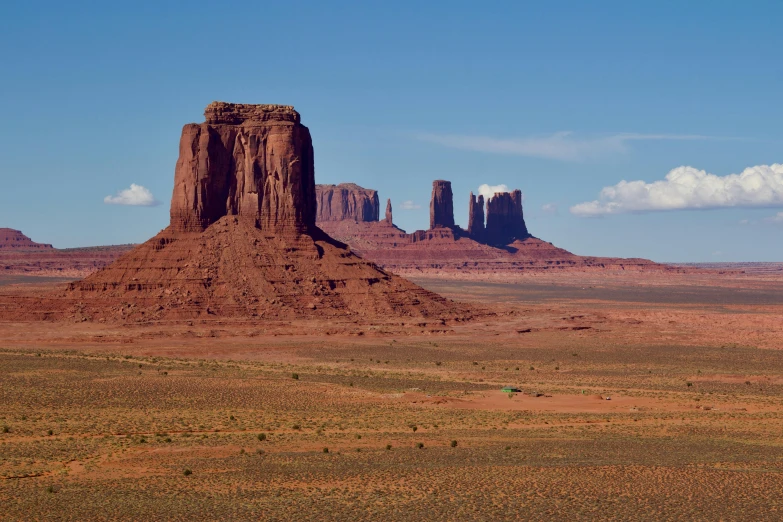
{"x": 441, "y": 205}
{"x": 346, "y": 201}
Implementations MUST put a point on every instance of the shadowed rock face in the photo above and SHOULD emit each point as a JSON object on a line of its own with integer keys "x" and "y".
{"x": 251, "y": 161}
{"x": 389, "y": 220}
{"x": 476, "y": 217}
{"x": 505, "y": 222}
{"x": 441, "y": 205}
{"x": 346, "y": 201}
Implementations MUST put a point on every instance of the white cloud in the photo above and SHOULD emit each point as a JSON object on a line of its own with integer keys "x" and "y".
{"x": 135, "y": 195}
{"x": 777, "y": 218}
{"x": 686, "y": 188}
{"x": 409, "y": 205}
{"x": 490, "y": 190}
{"x": 564, "y": 146}
{"x": 549, "y": 208}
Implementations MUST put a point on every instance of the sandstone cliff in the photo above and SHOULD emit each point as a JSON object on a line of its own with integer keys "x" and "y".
{"x": 251, "y": 161}
{"x": 441, "y": 205}
{"x": 346, "y": 201}
{"x": 505, "y": 222}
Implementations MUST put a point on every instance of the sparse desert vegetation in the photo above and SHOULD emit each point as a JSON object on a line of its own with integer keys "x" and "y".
{"x": 654, "y": 412}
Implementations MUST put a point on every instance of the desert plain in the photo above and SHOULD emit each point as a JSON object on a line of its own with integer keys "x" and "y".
{"x": 643, "y": 396}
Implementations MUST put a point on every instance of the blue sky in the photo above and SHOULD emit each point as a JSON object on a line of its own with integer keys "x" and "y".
{"x": 559, "y": 99}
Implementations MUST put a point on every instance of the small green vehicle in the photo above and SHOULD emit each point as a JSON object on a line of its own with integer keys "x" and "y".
{"x": 510, "y": 389}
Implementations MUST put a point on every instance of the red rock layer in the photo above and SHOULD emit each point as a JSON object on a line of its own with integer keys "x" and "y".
{"x": 11, "y": 239}
{"x": 234, "y": 269}
{"x": 346, "y": 201}
{"x": 505, "y": 222}
{"x": 69, "y": 262}
{"x": 441, "y": 204}
{"x": 252, "y": 161}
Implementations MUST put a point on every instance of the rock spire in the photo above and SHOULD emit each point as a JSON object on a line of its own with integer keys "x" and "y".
{"x": 441, "y": 205}
{"x": 389, "y": 220}
{"x": 476, "y": 217}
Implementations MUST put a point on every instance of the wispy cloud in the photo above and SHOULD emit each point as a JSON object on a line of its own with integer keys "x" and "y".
{"x": 409, "y": 205}
{"x": 686, "y": 188}
{"x": 777, "y": 218}
{"x": 565, "y": 146}
{"x": 549, "y": 208}
{"x": 135, "y": 195}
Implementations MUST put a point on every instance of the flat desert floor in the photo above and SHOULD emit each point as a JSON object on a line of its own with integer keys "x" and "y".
{"x": 644, "y": 397}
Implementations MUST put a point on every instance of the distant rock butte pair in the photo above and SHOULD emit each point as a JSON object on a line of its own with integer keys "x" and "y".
{"x": 243, "y": 241}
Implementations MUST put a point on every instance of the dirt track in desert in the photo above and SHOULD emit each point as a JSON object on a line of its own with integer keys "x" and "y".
{"x": 646, "y": 397}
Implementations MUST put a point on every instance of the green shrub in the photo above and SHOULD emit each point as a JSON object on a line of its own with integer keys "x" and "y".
{"x": 453, "y": 443}
{"x": 187, "y": 472}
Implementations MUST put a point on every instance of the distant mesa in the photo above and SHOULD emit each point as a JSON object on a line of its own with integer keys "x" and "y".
{"x": 243, "y": 241}
{"x": 14, "y": 240}
{"x": 20, "y": 255}
{"x": 346, "y": 201}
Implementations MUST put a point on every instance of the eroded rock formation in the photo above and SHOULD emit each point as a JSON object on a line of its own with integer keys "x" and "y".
{"x": 505, "y": 222}
{"x": 242, "y": 241}
{"x": 346, "y": 201}
{"x": 11, "y": 239}
{"x": 441, "y": 205}
{"x": 476, "y": 217}
{"x": 388, "y": 219}
{"x": 251, "y": 161}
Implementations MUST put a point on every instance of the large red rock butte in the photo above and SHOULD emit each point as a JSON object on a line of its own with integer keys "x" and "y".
{"x": 250, "y": 161}
{"x": 242, "y": 242}
{"x": 505, "y": 221}
{"x": 346, "y": 201}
